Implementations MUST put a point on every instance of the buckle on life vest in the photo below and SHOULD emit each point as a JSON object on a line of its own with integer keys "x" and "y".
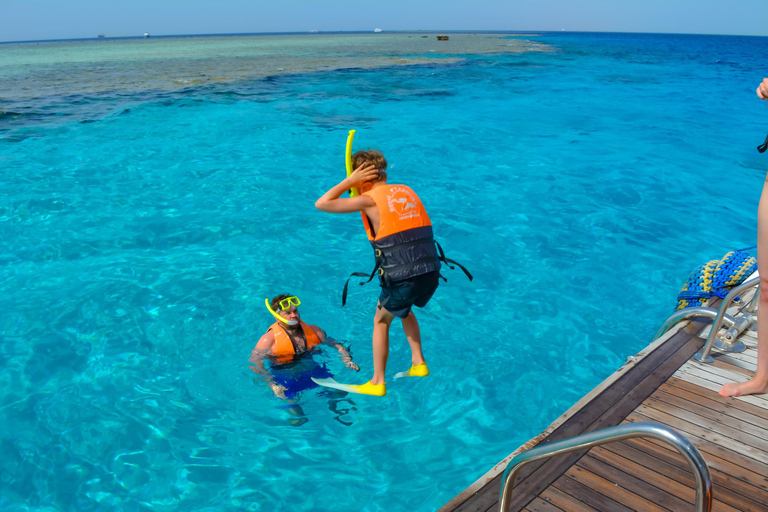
{"x": 377, "y": 253}
{"x": 381, "y": 271}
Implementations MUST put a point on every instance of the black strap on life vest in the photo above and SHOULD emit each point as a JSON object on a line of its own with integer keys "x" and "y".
{"x": 762, "y": 147}
{"x": 448, "y": 261}
{"x": 357, "y": 274}
{"x": 441, "y": 257}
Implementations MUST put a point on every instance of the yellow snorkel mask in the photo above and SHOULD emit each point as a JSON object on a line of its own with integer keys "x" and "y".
{"x": 284, "y": 304}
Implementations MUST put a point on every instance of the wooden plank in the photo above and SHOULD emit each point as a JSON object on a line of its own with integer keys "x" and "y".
{"x": 726, "y": 364}
{"x": 669, "y": 463}
{"x": 722, "y": 406}
{"x": 662, "y": 490}
{"x": 707, "y": 381}
{"x": 613, "y": 405}
{"x": 630, "y": 391}
{"x": 472, "y": 491}
{"x": 592, "y": 498}
{"x": 719, "y": 375}
{"x": 735, "y": 490}
{"x": 716, "y": 444}
{"x": 729, "y": 406}
{"x": 614, "y": 492}
{"x": 540, "y": 505}
{"x": 649, "y": 474}
{"x": 726, "y": 425}
{"x": 749, "y": 338}
{"x": 692, "y": 427}
{"x": 642, "y": 487}
{"x": 714, "y": 382}
{"x": 565, "y": 501}
{"x": 748, "y": 358}
{"x": 722, "y": 460}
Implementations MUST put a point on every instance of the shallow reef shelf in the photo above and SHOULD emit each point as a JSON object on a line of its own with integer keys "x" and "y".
{"x": 662, "y": 384}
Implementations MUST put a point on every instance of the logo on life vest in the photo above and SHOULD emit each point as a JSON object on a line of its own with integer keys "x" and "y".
{"x": 403, "y": 202}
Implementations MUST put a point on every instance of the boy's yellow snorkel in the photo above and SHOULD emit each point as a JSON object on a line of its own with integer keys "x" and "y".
{"x": 276, "y": 315}
{"x": 348, "y": 161}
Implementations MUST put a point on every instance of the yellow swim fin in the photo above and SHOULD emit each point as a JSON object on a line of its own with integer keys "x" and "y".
{"x": 419, "y": 370}
{"x": 370, "y": 389}
{"x": 360, "y": 389}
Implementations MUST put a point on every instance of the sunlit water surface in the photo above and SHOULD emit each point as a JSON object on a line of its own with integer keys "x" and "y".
{"x": 154, "y": 192}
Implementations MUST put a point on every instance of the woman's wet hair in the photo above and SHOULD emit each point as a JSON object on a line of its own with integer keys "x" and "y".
{"x": 275, "y": 303}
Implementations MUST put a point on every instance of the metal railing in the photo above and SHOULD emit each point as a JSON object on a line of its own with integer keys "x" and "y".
{"x": 617, "y": 433}
{"x": 694, "y": 312}
{"x": 730, "y": 337}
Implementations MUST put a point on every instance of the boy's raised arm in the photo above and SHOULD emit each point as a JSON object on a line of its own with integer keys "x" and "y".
{"x": 331, "y": 201}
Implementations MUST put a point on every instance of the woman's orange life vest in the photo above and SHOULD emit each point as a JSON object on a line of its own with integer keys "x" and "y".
{"x": 403, "y": 245}
{"x": 283, "y": 348}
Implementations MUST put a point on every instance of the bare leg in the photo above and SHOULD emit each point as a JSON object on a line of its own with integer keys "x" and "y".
{"x": 381, "y": 322}
{"x": 413, "y": 335}
{"x": 760, "y": 383}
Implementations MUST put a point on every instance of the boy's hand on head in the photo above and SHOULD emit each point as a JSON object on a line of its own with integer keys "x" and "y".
{"x": 366, "y": 172}
{"x": 762, "y": 89}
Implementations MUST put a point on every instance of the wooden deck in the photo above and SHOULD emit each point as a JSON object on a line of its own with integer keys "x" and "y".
{"x": 662, "y": 385}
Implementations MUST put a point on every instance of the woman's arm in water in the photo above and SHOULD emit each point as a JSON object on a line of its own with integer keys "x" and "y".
{"x": 344, "y": 355}
{"x": 261, "y": 351}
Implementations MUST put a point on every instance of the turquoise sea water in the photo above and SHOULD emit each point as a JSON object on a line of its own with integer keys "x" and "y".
{"x": 151, "y": 197}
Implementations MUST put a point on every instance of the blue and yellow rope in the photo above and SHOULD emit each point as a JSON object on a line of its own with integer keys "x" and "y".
{"x": 715, "y": 277}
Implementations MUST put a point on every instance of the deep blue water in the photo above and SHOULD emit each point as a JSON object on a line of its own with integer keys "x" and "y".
{"x": 142, "y": 228}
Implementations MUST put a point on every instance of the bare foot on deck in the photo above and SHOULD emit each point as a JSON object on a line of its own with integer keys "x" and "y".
{"x": 751, "y": 387}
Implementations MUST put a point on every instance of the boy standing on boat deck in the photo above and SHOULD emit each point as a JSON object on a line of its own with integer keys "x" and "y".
{"x": 407, "y": 259}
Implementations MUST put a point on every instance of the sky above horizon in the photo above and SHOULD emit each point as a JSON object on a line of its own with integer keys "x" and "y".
{"x": 27, "y": 20}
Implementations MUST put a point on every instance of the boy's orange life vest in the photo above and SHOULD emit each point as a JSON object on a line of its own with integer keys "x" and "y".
{"x": 283, "y": 348}
{"x": 403, "y": 246}
{"x": 400, "y": 209}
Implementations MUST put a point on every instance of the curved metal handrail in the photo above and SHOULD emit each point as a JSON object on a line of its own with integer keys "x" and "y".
{"x": 685, "y": 314}
{"x": 703, "y": 356}
{"x": 617, "y": 433}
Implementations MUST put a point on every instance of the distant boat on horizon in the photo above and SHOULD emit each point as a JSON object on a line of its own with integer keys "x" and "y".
{"x": 102, "y": 35}
{"x": 146, "y": 34}
{"x": 378, "y": 30}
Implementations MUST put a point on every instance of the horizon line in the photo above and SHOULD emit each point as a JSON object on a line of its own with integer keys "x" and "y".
{"x": 320, "y": 32}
